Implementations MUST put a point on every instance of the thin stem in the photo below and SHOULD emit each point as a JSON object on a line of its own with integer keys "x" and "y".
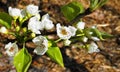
{"x": 58, "y": 40}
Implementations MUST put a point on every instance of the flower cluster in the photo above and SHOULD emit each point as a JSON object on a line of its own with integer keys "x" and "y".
{"x": 79, "y": 33}
{"x": 23, "y": 33}
{"x": 27, "y": 24}
{"x": 36, "y": 24}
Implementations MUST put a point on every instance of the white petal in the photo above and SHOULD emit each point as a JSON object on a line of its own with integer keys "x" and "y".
{"x": 73, "y": 30}
{"x": 46, "y": 16}
{"x": 93, "y": 48}
{"x": 32, "y": 9}
{"x": 95, "y": 38}
{"x": 80, "y": 25}
{"x": 40, "y": 40}
{"x": 63, "y": 32}
{"x": 35, "y": 25}
{"x": 9, "y": 45}
{"x": 23, "y": 13}
{"x": 42, "y": 45}
{"x": 40, "y": 50}
{"x": 14, "y": 11}
{"x": 11, "y": 49}
{"x": 48, "y": 24}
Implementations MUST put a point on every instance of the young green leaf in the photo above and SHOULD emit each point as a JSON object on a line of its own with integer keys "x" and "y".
{"x": 97, "y": 33}
{"x": 94, "y": 4}
{"x": 22, "y": 60}
{"x": 5, "y": 19}
{"x": 55, "y": 54}
{"x": 71, "y": 10}
{"x": 106, "y": 35}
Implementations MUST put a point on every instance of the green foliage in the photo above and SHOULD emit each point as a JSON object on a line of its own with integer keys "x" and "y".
{"x": 94, "y": 4}
{"x": 96, "y": 33}
{"x": 22, "y": 60}
{"x": 55, "y": 54}
{"x": 5, "y": 19}
{"x": 72, "y": 9}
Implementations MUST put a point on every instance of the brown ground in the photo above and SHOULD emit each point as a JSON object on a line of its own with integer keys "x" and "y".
{"x": 75, "y": 59}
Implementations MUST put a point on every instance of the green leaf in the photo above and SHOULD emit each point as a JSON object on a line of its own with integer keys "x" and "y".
{"x": 87, "y": 32}
{"x": 71, "y": 10}
{"x": 97, "y": 33}
{"x": 22, "y": 60}
{"x": 101, "y": 3}
{"x": 55, "y": 54}
{"x": 5, "y": 19}
{"x": 106, "y": 35}
{"x": 94, "y": 4}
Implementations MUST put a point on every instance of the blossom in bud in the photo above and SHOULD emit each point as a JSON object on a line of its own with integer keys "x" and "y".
{"x": 3, "y": 30}
{"x": 67, "y": 42}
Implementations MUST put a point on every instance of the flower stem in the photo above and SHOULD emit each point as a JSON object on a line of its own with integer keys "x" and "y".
{"x": 58, "y": 40}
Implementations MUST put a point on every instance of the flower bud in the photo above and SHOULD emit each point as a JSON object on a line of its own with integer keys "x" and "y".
{"x": 24, "y": 29}
{"x": 17, "y": 28}
{"x": 33, "y": 35}
{"x": 3, "y": 30}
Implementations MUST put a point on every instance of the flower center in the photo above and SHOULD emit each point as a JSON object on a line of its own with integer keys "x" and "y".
{"x": 11, "y": 49}
{"x": 64, "y": 32}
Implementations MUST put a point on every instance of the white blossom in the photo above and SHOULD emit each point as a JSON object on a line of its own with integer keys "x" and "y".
{"x": 65, "y": 32}
{"x": 11, "y": 49}
{"x": 32, "y": 9}
{"x": 3, "y": 30}
{"x": 93, "y": 48}
{"x": 48, "y": 24}
{"x": 41, "y": 45}
{"x": 81, "y": 25}
{"x": 14, "y": 12}
{"x": 35, "y": 25}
